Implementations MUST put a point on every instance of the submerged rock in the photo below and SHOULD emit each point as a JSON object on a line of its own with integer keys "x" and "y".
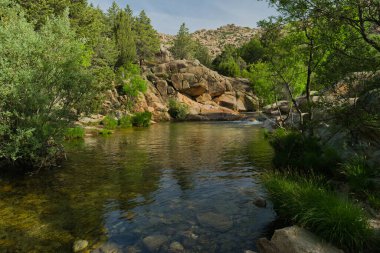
{"x": 108, "y": 248}
{"x": 216, "y": 221}
{"x": 260, "y": 202}
{"x": 176, "y": 247}
{"x": 80, "y": 245}
{"x": 154, "y": 242}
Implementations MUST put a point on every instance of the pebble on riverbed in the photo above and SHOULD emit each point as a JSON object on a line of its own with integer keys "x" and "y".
{"x": 260, "y": 202}
{"x": 80, "y": 245}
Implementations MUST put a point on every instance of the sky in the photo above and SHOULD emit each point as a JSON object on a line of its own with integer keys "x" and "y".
{"x": 168, "y": 15}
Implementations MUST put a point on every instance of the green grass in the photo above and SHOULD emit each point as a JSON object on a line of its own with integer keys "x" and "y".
{"x": 125, "y": 121}
{"x": 309, "y": 204}
{"x": 141, "y": 119}
{"x": 302, "y": 153}
{"x": 358, "y": 174}
{"x": 105, "y": 132}
{"x": 74, "y": 133}
{"x": 109, "y": 122}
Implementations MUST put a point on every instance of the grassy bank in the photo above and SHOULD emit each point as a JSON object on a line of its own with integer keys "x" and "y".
{"x": 308, "y": 203}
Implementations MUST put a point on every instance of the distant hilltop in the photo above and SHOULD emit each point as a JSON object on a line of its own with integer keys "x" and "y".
{"x": 216, "y": 40}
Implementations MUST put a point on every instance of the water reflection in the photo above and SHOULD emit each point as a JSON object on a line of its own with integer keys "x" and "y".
{"x": 192, "y": 183}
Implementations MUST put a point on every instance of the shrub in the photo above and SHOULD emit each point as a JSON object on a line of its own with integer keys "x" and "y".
{"x": 307, "y": 203}
{"x": 74, "y": 133}
{"x": 358, "y": 174}
{"x": 45, "y": 78}
{"x": 178, "y": 110}
{"x": 125, "y": 121}
{"x": 136, "y": 84}
{"x": 109, "y": 122}
{"x": 294, "y": 150}
{"x": 105, "y": 132}
{"x": 141, "y": 119}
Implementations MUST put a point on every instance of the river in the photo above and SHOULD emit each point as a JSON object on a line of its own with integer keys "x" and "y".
{"x": 191, "y": 183}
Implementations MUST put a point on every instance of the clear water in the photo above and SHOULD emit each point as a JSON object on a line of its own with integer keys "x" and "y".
{"x": 165, "y": 180}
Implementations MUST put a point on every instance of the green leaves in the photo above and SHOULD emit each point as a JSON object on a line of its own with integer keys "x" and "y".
{"x": 45, "y": 80}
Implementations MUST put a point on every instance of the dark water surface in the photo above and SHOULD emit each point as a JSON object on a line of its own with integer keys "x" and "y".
{"x": 192, "y": 183}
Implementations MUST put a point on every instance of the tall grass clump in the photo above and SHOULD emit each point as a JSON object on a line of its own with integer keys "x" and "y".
{"x": 178, "y": 110}
{"x": 307, "y": 203}
{"x": 358, "y": 174}
{"x": 109, "y": 122}
{"x": 294, "y": 150}
{"x": 125, "y": 121}
{"x": 74, "y": 133}
{"x": 141, "y": 119}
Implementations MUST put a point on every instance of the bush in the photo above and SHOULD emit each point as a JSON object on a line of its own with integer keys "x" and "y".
{"x": 105, "y": 132}
{"x": 109, "y": 122}
{"x": 358, "y": 174}
{"x": 125, "y": 121}
{"x": 136, "y": 84}
{"x": 178, "y": 110}
{"x": 307, "y": 203}
{"x": 74, "y": 133}
{"x": 141, "y": 119}
{"x": 45, "y": 79}
{"x": 296, "y": 151}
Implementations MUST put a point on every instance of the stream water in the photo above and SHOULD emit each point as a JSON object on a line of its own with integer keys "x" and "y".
{"x": 189, "y": 183}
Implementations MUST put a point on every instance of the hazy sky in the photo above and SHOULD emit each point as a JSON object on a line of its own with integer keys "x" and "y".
{"x": 167, "y": 15}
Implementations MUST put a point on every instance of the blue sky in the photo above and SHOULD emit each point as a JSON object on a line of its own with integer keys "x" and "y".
{"x": 167, "y": 15}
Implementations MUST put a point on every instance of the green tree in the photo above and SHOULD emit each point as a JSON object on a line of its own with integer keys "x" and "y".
{"x": 202, "y": 54}
{"x": 147, "y": 40}
{"x": 125, "y": 39}
{"x": 45, "y": 82}
{"x": 183, "y": 44}
{"x": 252, "y": 52}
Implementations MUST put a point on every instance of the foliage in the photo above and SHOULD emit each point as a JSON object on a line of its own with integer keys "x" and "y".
{"x": 358, "y": 174}
{"x": 147, "y": 40}
{"x": 307, "y": 203}
{"x": 183, "y": 44}
{"x": 299, "y": 152}
{"x": 45, "y": 80}
{"x": 252, "y": 52}
{"x": 202, "y": 54}
{"x": 125, "y": 38}
{"x": 128, "y": 76}
{"x": 141, "y": 119}
{"x": 74, "y": 133}
{"x": 105, "y": 132}
{"x": 109, "y": 122}
{"x": 125, "y": 121}
{"x": 178, "y": 110}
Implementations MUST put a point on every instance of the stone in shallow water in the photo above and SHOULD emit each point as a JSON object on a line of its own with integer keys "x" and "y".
{"x": 108, "y": 248}
{"x": 80, "y": 245}
{"x": 260, "y": 202}
{"x": 216, "y": 221}
{"x": 176, "y": 247}
{"x": 154, "y": 242}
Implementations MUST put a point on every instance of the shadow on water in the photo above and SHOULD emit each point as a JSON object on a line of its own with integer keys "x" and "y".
{"x": 140, "y": 182}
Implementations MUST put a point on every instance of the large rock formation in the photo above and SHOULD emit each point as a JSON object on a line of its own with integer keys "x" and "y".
{"x": 216, "y": 40}
{"x": 207, "y": 94}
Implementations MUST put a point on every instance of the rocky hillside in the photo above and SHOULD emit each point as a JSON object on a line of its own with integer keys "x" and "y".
{"x": 216, "y": 40}
{"x": 207, "y": 94}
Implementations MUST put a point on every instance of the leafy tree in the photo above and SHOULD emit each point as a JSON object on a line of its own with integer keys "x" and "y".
{"x": 125, "y": 39}
{"x": 45, "y": 81}
{"x": 202, "y": 54}
{"x": 252, "y": 52}
{"x": 183, "y": 44}
{"x": 147, "y": 40}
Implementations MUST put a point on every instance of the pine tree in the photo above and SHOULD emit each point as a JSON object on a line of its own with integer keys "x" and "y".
{"x": 183, "y": 44}
{"x": 112, "y": 14}
{"x": 148, "y": 42}
{"x": 125, "y": 39}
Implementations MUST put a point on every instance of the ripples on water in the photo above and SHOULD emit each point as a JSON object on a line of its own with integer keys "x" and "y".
{"x": 193, "y": 183}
